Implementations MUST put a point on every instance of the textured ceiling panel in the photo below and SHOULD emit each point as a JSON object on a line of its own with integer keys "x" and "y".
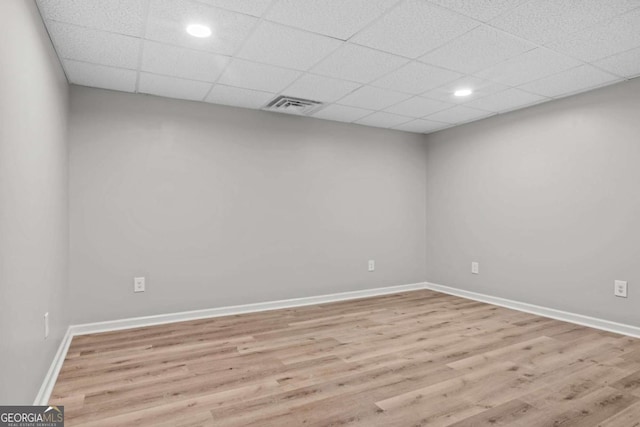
{"x": 320, "y": 88}
{"x": 98, "y": 47}
{"x": 459, "y": 114}
{"x": 116, "y": 16}
{"x": 342, "y": 113}
{"x": 172, "y": 87}
{"x": 359, "y": 64}
{"x": 606, "y": 39}
{"x": 296, "y": 49}
{"x": 421, "y": 126}
{"x": 383, "y": 120}
{"x": 416, "y": 78}
{"x": 336, "y": 18}
{"x": 479, "y": 87}
{"x": 505, "y": 101}
{"x": 373, "y": 98}
{"x": 543, "y": 21}
{"x": 84, "y": 74}
{"x": 417, "y": 107}
{"x": 414, "y": 28}
{"x": 529, "y": 66}
{"x": 180, "y": 62}
{"x": 482, "y": 10}
{"x": 624, "y": 64}
{"x": 480, "y": 48}
{"x": 574, "y": 80}
{"x": 238, "y": 97}
{"x": 250, "y": 75}
{"x": 169, "y": 18}
{"x": 250, "y": 7}
{"x": 386, "y": 63}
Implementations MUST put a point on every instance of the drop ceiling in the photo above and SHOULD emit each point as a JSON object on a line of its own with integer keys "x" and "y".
{"x": 383, "y": 63}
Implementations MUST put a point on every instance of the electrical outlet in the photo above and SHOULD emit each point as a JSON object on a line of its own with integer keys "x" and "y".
{"x": 620, "y": 288}
{"x": 372, "y": 265}
{"x": 46, "y": 325}
{"x": 138, "y": 284}
{"x": 475, "y": 268}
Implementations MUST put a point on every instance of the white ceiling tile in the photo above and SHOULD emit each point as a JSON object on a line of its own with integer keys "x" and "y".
{"x": 100, "y": 43}
{"x": 238, "y": 97}
{"x": 416, "y": 78}
{"x": 421, "y": 126}
{"x": 459, "y": 114}
{"x": 479, "y": 87}
{"x": 84, "y": 44}
{"x": 255, "y": 76}
{"x": 417, "y": 107}
{"x": 603, "y": 40}
{"x": 168, "y": 20}
{"x": 319, "y": 88}
{"x": 287, "y": 47}
{"x": 414, "y": 28}
{"x": 480, "y": 48}
{"x": 84, "y": 74}
{"x": 336, "y": 18}
{"x": 383, "y": 120}
{"x": 373, "y": 98}
{"x": 172, "y": 87}
{"x": 179, "y": 62}
{"x": 359, "y": 64}
{"x": 117, "y": 16}
{"x": 532, "y": 65}
{"x": 575, "y": 80}
{"x": 342, "y": 113}
{"x": 482, "y": 10}
{"x": 250, "y": 7}
{"x": 543, "y": 21}
{"x": 506, "y": 100}
{"x": 625, "y": 64}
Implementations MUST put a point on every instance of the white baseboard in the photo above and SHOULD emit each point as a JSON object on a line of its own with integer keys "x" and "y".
{"x": 137, "y": 322}
{"x": 42, "y": 398}
{"x": 578, "y": 319}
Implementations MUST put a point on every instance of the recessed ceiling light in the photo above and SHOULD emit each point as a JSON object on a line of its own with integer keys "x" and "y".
{"x": 197, "y": 30}
{"x": 463, "y": 92}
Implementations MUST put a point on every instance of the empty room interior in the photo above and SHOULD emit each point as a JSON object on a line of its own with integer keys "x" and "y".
{"x": 320, "y": 212}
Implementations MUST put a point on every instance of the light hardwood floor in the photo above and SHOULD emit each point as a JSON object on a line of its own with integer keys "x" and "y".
{"x": 414, "y": 359}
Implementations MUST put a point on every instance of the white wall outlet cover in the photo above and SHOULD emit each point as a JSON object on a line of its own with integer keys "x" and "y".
{"x": 372, "y": 265}
{"x": 46, "y": 325}
{"x": 138, "y": 284}
{"x": 620, "y": 288}
{"x": 475, "y": 268}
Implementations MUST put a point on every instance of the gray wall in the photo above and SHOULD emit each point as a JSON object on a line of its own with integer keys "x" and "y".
{"x": 547, "y": 199}
{"x": 219, "y": 206}
{"x": 33, "y": 201}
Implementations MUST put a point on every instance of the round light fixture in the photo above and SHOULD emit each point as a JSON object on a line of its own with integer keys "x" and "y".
{"x": 463, "y": 92}
{"x": 200, "y": 31}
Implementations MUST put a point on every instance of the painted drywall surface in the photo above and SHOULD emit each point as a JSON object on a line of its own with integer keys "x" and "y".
{"x": 33, "y": 201}
{"x": 219, "y": 206}
{"x": 546, "y": 199}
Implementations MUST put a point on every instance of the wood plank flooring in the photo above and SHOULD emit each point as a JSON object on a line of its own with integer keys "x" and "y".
{"x": 418, "y": 358}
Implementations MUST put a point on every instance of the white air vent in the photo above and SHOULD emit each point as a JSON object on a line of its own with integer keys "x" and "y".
{"x": 291, "y": 105}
